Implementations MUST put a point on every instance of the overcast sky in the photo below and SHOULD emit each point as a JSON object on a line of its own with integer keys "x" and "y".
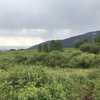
{"x": 28, "y": 22}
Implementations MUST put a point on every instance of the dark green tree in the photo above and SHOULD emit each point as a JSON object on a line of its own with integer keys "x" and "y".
{"x": 90, "y": 47}
{"x": 39, "y": 47}
{"x": 79, "y": 43}
{"x": 55, "y": 45}
{"x": 45, "y": 48}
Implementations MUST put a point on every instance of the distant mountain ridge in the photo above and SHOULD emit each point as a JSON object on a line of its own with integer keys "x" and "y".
{"x": 70, "y": 42}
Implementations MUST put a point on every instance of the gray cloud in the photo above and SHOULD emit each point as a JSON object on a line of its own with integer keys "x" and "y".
{"x": 49, "y": 15}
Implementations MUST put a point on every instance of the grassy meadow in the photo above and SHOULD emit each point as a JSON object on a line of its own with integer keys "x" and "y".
{"x": 70, "y": 74}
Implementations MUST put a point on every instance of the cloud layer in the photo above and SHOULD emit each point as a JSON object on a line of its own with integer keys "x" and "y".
{"x": 48, "y": 19}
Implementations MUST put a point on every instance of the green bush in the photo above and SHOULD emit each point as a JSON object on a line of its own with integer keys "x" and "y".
{"x": 19, "y": 59}
{"x": 83, "y": 61}
{"x": 38, "y": 58}
{"x": 55, "y": 59}
{"x": 91, "y": 48}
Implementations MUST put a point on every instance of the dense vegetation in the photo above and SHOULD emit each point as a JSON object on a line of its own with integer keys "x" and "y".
{"x": 57, "y": 75}
{"x": 54, "y": 74}
{"x": 51, "y": 46}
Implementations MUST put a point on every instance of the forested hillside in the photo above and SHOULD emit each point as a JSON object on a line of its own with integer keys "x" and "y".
{"x": 72, "y": 41}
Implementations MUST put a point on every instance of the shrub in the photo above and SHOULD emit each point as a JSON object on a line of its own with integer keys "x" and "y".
{"x": 19, "y": 59}
{"x": 38, "y": 58}
{"x": 91, "y": 48}
{"x": 83, "y": 61}
{"x": 56, "y": 58}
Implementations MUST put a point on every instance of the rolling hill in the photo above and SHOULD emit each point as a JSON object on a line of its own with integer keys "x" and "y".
{"x": 70, "y": 42}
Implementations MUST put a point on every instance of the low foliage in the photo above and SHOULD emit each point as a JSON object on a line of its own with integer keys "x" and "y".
{"x": 69, "y": 58}
{"x": 35, "y": 83}
{"x": 69, "y": 75}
